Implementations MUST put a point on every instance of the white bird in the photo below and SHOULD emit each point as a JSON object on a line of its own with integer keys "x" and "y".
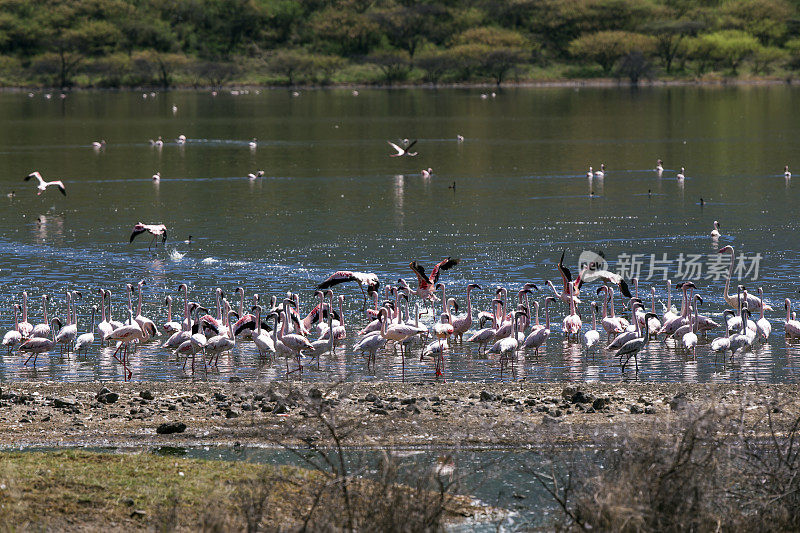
{"x": 590, "y": 173}
{"x": 181, "y": 139}
{"x": 13, "y": 337}
{"x": 659, "y": 167}
{"x": 263, "y": 341}
{"x": 754, "y": 303}
{"x": 764, "y": 327}
{"x": 427, "y": 172}
{"x": 460, "y": 138}
{"x": 43, "y": 185}
{"x": 253, "y": 144}
{"x": 690, "y": 339}
{"x": 174, "y": 109}
{"x": 158, "y": 143}
{"x": 722, "y": 344}
{"x": 125, "y": 335}
{"x": 371, "y": 344}
{"x": 402, "y": 151}
{"x": 43, "y": 329}
{"x": 85, "y": 340}
{"x": 600, "y": 173}
{"x": 786, "y": 173}
{"x": 680, "y": 175}
{"x": 66, "y": 335}
{"x": 40, "y": 345}
{"x": 592, "y": 336}
{"x": 538, "y": 337}
{"x": 220, "y": 343}
{"x": 715, "y": 232}
{"x": 790, "y": 325}
{"x": 157, "y": 176}
{"x": 506, "y": 346}
{"x": 98, "y": 144}
{"x": 256, "y": 174}
{"x": 634, "y": 346}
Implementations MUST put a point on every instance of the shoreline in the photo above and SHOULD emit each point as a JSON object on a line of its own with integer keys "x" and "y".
{"x": 600, "y": 83}
{"x": 372, "y": 414}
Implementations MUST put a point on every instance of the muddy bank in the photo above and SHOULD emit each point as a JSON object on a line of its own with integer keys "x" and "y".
{"x": 365, "y": 414}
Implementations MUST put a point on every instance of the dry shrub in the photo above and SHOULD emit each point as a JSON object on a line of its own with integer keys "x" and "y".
{"x": 710, "y": 473}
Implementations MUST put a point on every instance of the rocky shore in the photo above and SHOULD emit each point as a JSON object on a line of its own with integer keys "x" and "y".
{"x": 366, "y": 414}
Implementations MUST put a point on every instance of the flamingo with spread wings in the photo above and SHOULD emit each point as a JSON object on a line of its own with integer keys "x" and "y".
{"x": 43, "y": 185}
{"x": 156, "y": 230}
{"x": 427, "y": 283}
{"x": 368, "y": 281}
{"x": 402, "y": 151}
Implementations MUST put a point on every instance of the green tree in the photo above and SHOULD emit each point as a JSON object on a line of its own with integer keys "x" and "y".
{"x": 407, "y": 27}
{"x": 290, "y": 64}
{"x": 345, "y": 34}
{"x": 765, "y": 19}
{"x": 607, "y": 47}
{"x": 766, "y": 57}
{"x": 158, "y": 67}
{"x": 728, "y": 47}
{"x": 669, "y": 35}
{"x": 434, "y": 64}
{"x": 394, "y": 65}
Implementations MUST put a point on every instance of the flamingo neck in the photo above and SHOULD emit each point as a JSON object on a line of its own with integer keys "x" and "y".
{"x": 469, "y": 305}
{"x": 546, "y": 316}
{"x": 726, "y": 295}
{"x": 24, "y": 306}
{"x": 341, "y": 312}
{"x": 44, "y": 302}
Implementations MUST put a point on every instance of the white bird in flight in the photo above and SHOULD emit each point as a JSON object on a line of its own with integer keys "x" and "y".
{"x": 402, "y": 151}
{"x": 43, "y": 185}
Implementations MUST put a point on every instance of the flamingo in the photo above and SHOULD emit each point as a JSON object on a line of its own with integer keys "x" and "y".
{"x": 397, "y": 333}
{"x": 764, "y": 327}
{"x": 754, "y": 303}
{"x": 484, "y": 335}
{"x": 786, "y": 173}
{"x": 669, "y": 314}
{"x": 158, "y": 143}
{"x": 181, "y": 139}
{"x": 634, "y": 346}
{"x": 255, "y": 175}
{"x": 104, "y": 327}
{"x": 246, "y": 324}
{"x": 427, "y": 172}
{"x": 790, "y": 325}
{"x": 427, "y": 283}
{"x": 263, "y": 341}
{"x": 672, "y": 325}
{"x": 97, "y": 145}
{"x": 43, "y": 185}
{"x": 85, "y": 340}
{"x": 220, "y": 343}
{"x": 40, "y": 345}
{"x": 43, "y": 329}
{"x": 626, "y": 336}
{"x": 506, "y": 346}
{"x": 148, "y": 326}
{"x": 680, "y": 175}
{"x": 292, "y": 343}
{"x": 13, "y": 337}
{"x": 572, "y": 322}
{"x": 25, "y": 327}
{"x": 592, "y": 336}
{"x": 742, "y": 340}
{"x": 125, "y": 335}
{"x": 368, "y": 281}
{"x": 253, "y": 144}
{"x": 715, "y": 232}
{"x": 157, "y": 176}
{"x": 66, "y": 335}
{"x": 690, "y": 338}
{"x": 538, "y": 337}
{"x": 600, "y": 173}
{"x": 659, "y": 167}
{"x": 156, "y": 230}
{"x": 722, "y": 344}
{"x": 462, "y": 323}
{"x": 179, "y": 337}
{"x": 402, "y": 151}
{"x": 609, "y": 323}
{"x": 654, "y": 327}
{"x": 170, "y": 326}
{"x": 371, "y": 344}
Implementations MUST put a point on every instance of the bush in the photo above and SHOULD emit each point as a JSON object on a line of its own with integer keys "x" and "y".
{"x": 607, "y": 47}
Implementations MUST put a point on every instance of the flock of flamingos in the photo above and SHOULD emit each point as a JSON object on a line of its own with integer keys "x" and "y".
{"x": 504, "y": 329}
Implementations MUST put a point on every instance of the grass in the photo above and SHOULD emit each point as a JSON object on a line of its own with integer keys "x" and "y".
{"x": 90, "y": 491}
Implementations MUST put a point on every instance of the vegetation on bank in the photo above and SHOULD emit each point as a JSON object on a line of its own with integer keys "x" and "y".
{"x": 126, "y": 43}
{"x": 104, "y": 491}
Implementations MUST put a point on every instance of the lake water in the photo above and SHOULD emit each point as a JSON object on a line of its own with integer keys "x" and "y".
{"x": 331, "y": 199}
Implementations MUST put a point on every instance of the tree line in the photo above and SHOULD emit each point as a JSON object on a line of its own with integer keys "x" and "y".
{"x": 125, "y": 43}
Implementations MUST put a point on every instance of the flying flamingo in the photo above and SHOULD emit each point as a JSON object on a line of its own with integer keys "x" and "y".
{"x": 402, "y": 151}
{"x": 43, "y": 185}
{"x": 368, "y": 281}
{"x": 427, "y": 283}
{"x": 156, "y": 230}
